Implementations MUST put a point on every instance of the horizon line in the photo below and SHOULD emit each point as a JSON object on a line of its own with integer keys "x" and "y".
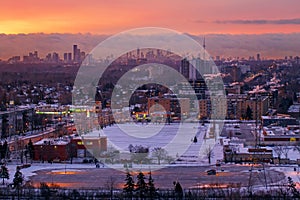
{"x": 107, "y": 34}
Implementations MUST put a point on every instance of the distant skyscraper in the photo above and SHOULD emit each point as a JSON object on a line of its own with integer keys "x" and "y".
{"x": 55, "y": 57}
{"x": 69, "y": 57}
{"x": 204, "y": 57}
{"x": 185, "y": 68}
{"x": 138, "y": 53}
{"x": 195, "y": 64}
{"x": 65, "y": 57}
{"x": 258, "y": 57}
{"x": 35, "y": 54}
{"x": 205, "y": 67}
{"x": 75, "y": 51}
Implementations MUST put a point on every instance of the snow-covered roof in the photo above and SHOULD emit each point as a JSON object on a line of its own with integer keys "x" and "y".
{"x": 52, "y": 141}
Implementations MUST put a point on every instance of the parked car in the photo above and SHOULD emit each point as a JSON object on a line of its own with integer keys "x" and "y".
{"x": 211, "y": 172}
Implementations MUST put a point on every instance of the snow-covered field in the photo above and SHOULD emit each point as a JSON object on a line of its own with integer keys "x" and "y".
{"x": 176, "y": 138}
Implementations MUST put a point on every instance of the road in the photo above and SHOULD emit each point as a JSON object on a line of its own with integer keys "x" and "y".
{"x": 189, "y": 177}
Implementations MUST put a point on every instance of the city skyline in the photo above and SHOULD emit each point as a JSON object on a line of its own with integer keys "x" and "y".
{"x": 269, "y": 46}
{"x": 232, "y": 28}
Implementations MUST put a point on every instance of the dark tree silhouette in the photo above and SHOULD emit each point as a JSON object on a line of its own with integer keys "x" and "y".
{"x": 18, "y": 178}
{"x": 151, "y": 186}
{"x": 4, "y": 150}
{"x": 4, "y": 174}
{"x": 178, "y": 190}
{"x": 4, "y": 126}
{"x": 129, "y": 185}
{"x": 249, "y": 113}
{"x": 292, "y": 188}
{"x": 141, "y": 186}
{"x": 159, "y": 153}
{"x": 30, "y": 149}
{"x": 1, "y": 151}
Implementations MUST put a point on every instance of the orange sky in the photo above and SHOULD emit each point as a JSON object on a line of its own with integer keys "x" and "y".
{"x": 110, "y": 17}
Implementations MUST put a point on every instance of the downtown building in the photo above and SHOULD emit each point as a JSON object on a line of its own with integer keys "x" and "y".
{"x": 169, "y": 106}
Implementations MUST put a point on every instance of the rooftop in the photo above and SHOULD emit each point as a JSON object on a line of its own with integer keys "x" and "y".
{"x": 52, "y": 141}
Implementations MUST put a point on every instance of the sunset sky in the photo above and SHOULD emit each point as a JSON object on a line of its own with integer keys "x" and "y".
{"x": 190, "y": 16}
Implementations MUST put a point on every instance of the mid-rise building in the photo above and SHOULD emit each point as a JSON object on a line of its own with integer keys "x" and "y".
{"x": 176, "y": 108}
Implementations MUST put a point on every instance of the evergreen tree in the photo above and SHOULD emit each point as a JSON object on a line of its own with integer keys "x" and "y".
{"x": 4, "y": 173}
{"x": 129, "y": 185}
{"x": 1, "y": 151}
{"x": 4, "y": 150}
{"x": 293, "y": 189}
{"x": 141, "y": 186}
{"x": 5, "y": 126}
{"x": 178, "y": 190}
{"x": 30, "y": 149}
{"x": 18, "y": 178}
{"x": 45, "y": 190}
{"x": 150, "y": 185}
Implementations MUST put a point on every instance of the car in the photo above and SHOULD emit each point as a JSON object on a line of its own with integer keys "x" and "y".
{"x": 211, "y": 172}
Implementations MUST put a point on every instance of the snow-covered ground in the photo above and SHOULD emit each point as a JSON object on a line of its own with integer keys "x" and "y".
{"x": 176, "y": 138}
{"x": 289, "y": 172}
{"x": 30, "y": 171}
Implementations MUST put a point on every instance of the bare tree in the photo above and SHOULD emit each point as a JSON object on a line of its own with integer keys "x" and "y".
{"x": 111, "y": 154}
{"x": 169, "y": 159}
{"x": 110, "y": 185}
{"x": 209, "y": 153}
{"x": 297, "y": 147}
{"x": 159, "y": 153}
{"x": 285, "y": 151}
{"x": 279, "y": 151}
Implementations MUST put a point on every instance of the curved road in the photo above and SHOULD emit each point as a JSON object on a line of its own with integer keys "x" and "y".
{"x": 189, "y": 177}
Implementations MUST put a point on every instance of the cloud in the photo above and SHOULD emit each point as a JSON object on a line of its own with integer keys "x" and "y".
{"x": 294, "y": 21}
